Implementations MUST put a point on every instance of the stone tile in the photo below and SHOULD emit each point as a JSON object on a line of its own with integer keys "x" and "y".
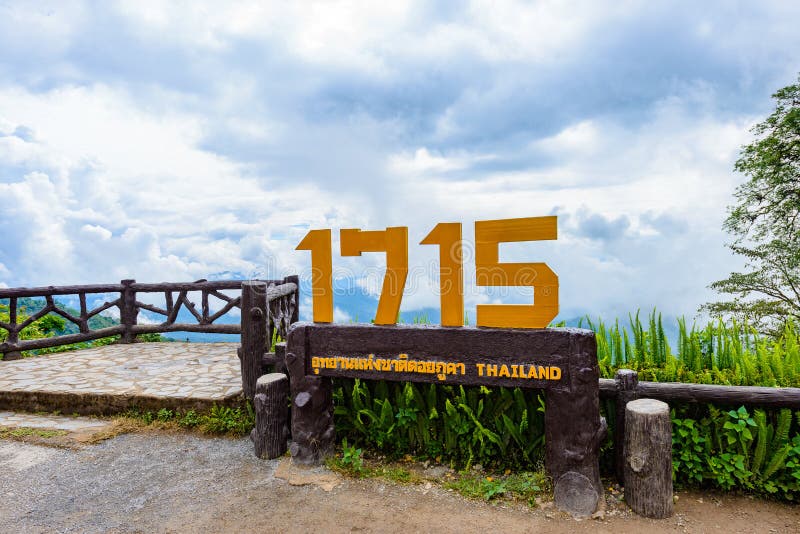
{"x": 170, "y": 370}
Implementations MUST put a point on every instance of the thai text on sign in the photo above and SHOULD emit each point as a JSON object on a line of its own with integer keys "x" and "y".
{"x": 441, "y": 369}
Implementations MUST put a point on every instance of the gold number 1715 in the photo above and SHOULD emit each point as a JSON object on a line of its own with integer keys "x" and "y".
{"x": 489, "y": 271}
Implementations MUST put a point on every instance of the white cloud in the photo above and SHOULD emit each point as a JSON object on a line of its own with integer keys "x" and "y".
{"x": 96, "y": 232}
{"x": 341, "y": 316}
{"x": 190, "y": 141}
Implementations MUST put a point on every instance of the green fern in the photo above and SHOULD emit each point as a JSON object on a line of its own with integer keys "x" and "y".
{"x": 782, "y": 429}
{"x": 777, "y": 462}
{"x": 761, "y": 443}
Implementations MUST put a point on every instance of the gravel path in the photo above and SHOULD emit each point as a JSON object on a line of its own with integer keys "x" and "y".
{"x": 132, "y": 483}
{"x": 176, "y": 483}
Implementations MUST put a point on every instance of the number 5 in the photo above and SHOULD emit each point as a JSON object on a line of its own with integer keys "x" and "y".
{"x": 490, "y": 272}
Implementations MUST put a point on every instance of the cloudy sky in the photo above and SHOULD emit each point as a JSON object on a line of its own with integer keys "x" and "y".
{"x": 171, "y": 141}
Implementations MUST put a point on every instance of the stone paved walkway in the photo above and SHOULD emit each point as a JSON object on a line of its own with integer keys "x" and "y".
{"x": 115, "y": 378}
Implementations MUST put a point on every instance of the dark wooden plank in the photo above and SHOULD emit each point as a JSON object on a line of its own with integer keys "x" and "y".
{"x": 626, "y": 382}
{"x": 228, "y": 307}
{"x": 730, "y": 395}
{"x": 294, "y": 279}
{"x": 38, "y": 315}
{"x": 205, "y": 307}
{"x": 608, "y": 388}
{"x": 768, "y": 397}
{"x": 83, "y": 327}
{"x": 189, "y": 305}
{"x": 191, "y": 286}
{"x": 127, "y": 311}
{"x": 67, "y": 316}
{"x": 13, "y": 328}
{"x": 469, "y": 355}
{"x": 58, "y": 290}
{"x": 221, "y": 296}
{"x": 32, "y": 344}
{"x": 151, "y": 308}
{"x": 254, "y": 334}
{"x": 180, "y": 327}
{"x": 12, "y": 311}
{"x": 103, "y": 308}
{"x": 173, "y": 313}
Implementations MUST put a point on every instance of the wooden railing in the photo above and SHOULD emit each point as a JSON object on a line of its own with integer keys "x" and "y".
{"x": 281, "y": 295}
{"x": 626, "y": 387}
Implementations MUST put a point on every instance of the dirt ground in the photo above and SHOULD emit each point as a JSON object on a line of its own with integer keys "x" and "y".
{"x": 153, "y": 482}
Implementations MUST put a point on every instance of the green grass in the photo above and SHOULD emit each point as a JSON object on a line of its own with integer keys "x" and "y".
{"x": 24, "y": 432}
{"x": 522, "y": 487}
{"x": 220, "y": 420}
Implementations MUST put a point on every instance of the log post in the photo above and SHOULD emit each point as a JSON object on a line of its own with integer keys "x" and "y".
{"x": 280, "y": 357}
{"x": 127, "y": 309}
{"x": 313, "y": 433}
{"x": 648, "y": 458}
{"x": 627, "y": 382}
{"x": 271, "y": 403}
{"x": 254, "y": 333}
{"x": 294, "y": 279}
{"x": 13, "y": 335}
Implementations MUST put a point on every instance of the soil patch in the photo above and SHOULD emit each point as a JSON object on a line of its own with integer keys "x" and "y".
{"x": 156, "y": 482}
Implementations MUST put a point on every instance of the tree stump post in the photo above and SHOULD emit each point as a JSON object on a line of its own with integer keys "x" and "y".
{"x": 271, "y": 403}
{"x": 648, "y": 458}
{"x": 13, "y": 335}
{"x": 254, "y": 334}
{"x": 626, "y": 381}
{"x": 128, "y": 311}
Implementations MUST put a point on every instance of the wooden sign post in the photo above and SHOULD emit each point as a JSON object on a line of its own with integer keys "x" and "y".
{"x": 562, "y": 362}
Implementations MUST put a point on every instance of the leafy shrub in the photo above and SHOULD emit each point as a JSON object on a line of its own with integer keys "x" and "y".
{"x": 461, "y": 425}
{"x": 503, "y": 428}
{"x": 737, "y": 449}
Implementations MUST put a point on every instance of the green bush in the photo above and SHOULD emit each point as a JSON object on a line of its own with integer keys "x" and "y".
{"x": 460, "y": 425}
{"x": 502, "y": 428}
{"x": 737, "y": 449}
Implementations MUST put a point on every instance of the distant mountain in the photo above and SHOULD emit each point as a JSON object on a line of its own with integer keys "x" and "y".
{"x": 30, "y": 306}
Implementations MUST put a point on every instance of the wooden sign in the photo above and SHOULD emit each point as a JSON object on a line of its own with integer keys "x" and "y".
{"x": 562, "y": 362}
{"x": 489, "y": 270}
{"x": 468, "y": 356}
{"x": 515, "y": 351}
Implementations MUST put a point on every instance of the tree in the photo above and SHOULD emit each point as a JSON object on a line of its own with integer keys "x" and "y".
{"x": 766, "y": 223}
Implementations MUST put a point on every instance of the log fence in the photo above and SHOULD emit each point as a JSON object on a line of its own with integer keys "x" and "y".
{"x": 765, "y": 397}
{"x": 281, "y": 298}
{"x": 626, "y": 387}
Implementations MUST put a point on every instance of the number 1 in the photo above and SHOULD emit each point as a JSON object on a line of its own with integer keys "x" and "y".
{"x": 451, "y": 271}
{"x": 319, "y": 243}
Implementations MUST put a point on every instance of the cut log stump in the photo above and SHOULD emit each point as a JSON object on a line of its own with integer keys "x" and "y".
{"x": 271, "y": 403}
{"x": 648, "y": 458}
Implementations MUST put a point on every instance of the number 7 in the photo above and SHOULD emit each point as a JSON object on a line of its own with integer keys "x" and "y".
{"x": 393, "y": 241}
